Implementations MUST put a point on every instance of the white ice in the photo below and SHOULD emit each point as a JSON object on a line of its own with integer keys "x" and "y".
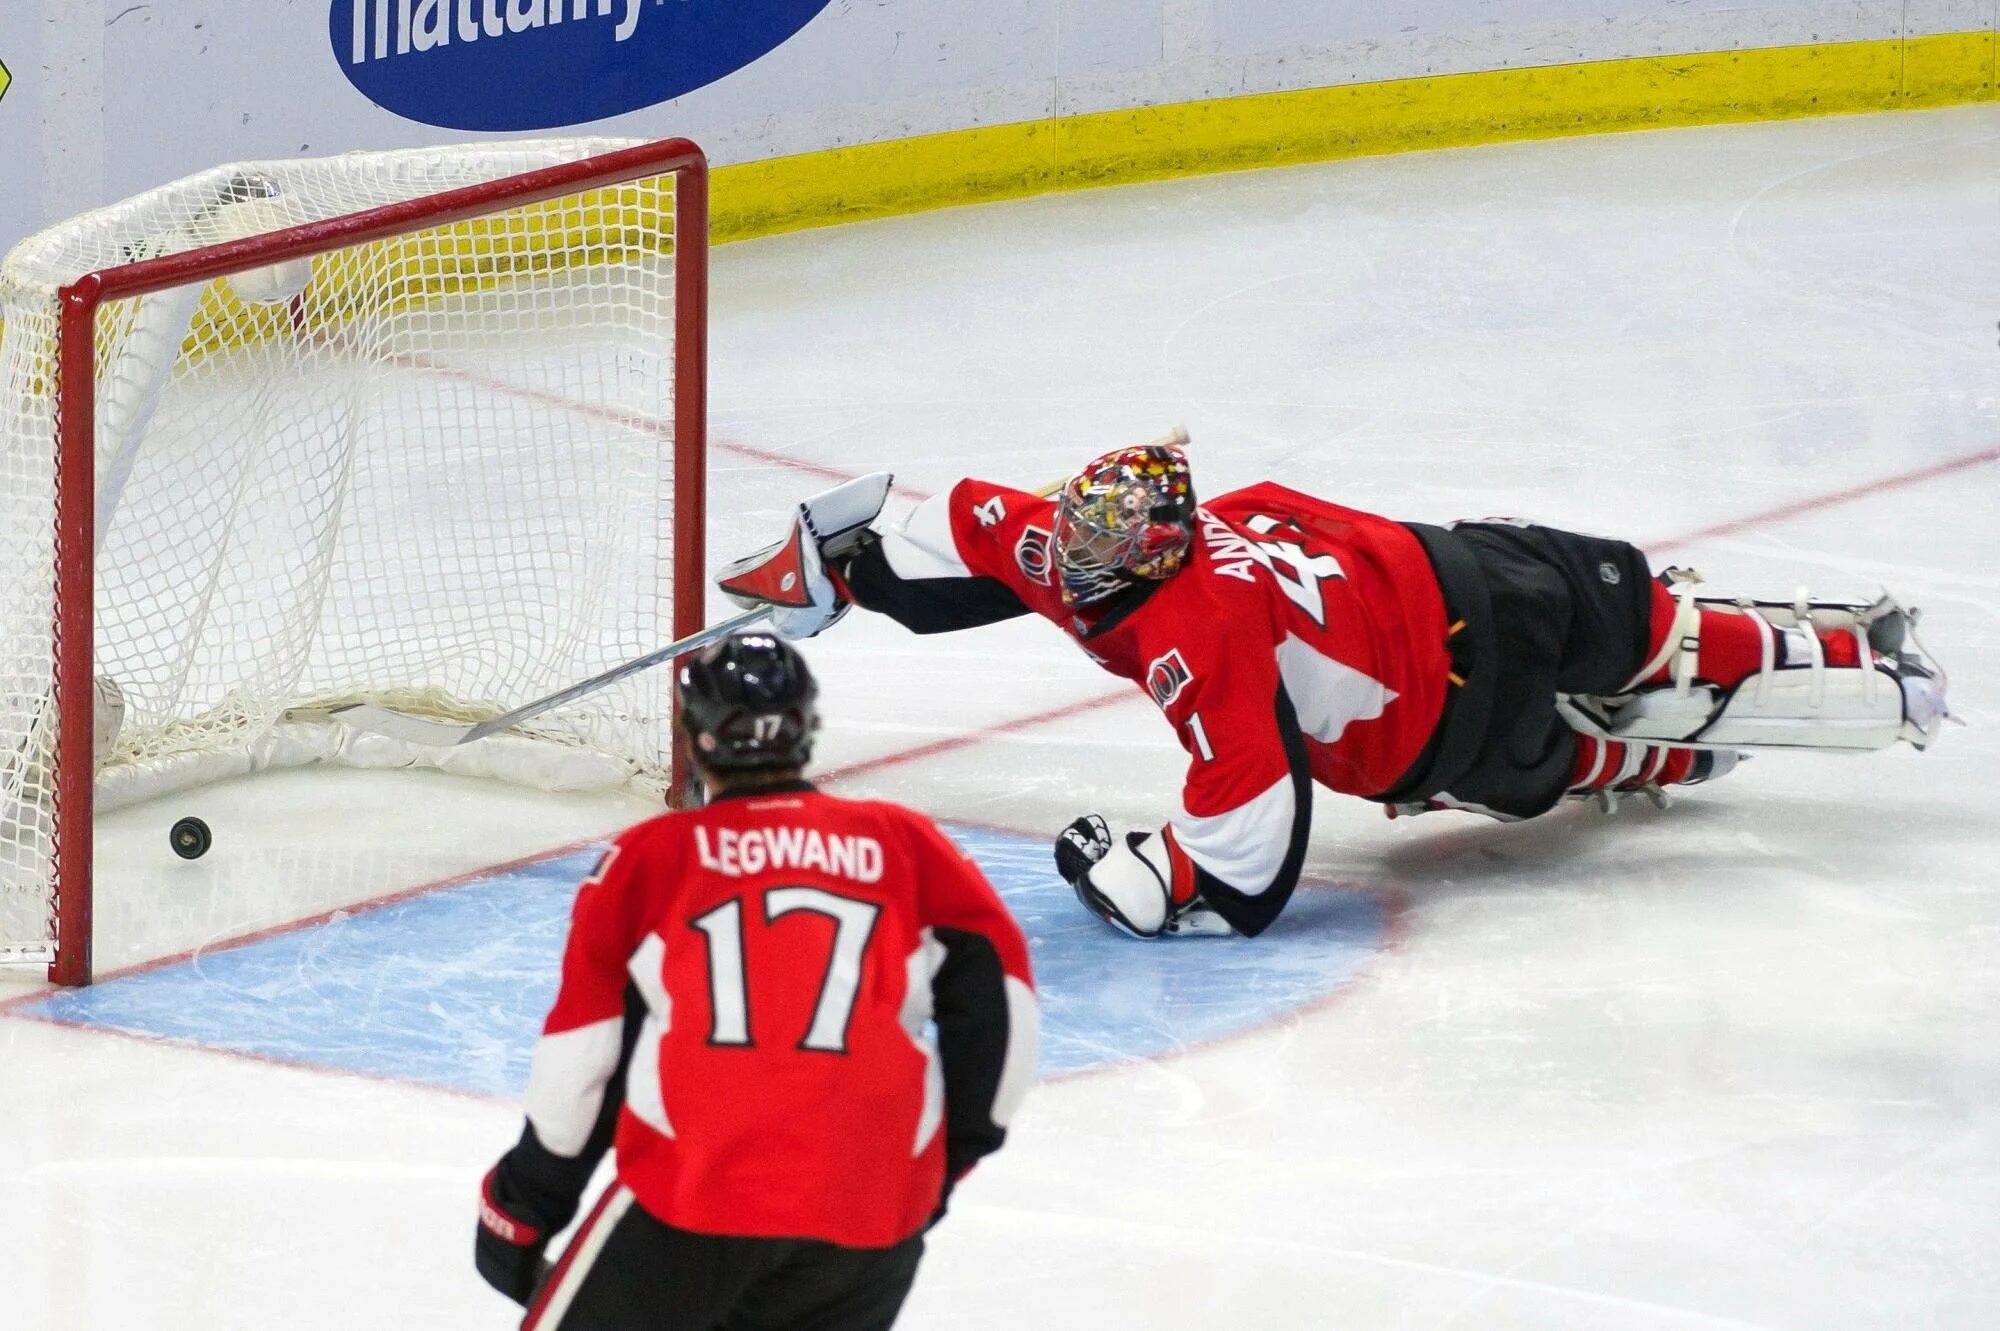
{"x": 1728, "y": 1065}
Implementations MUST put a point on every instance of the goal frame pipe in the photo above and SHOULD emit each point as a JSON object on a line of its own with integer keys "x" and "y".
{"x": 76, "y": 442}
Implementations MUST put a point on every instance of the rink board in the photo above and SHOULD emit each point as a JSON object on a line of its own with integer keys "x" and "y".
{"x": 449, "y": 987}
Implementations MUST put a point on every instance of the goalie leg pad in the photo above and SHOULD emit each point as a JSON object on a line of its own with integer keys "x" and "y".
{"x": 1802, "y": 708}
{"x": 1827, "y": 675}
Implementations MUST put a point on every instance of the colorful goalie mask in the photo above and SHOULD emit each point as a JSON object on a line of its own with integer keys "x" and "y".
{"x": 1127, "y": 516}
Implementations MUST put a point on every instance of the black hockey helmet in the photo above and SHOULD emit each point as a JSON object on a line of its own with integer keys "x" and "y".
{"x": 749, "y": 702}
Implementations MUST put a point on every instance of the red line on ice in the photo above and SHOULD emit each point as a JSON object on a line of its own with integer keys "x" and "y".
{"x": 663, "y": 429}
{"x": 1833, "y": 499}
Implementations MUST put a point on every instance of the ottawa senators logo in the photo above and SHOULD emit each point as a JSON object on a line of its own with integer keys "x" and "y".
{"x": 1166, "y": 677}
{"x": 1031, "y": 552}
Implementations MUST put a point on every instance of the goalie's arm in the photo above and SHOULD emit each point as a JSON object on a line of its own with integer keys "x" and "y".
{"x": 892, "y": 575}
{"x": 1231, "y": 854}
{"x": 952, "y": 564}
{"x": 933, "y": 574}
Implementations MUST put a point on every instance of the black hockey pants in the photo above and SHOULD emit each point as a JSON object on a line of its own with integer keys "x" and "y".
{"x": 627, "y": 1271}
{"x": 1545, "y": 612}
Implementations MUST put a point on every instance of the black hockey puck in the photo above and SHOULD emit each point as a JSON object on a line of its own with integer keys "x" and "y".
{"x": 191, "y": 838}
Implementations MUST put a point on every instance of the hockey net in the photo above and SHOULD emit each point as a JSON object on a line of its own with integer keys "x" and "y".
{"x": 421, "y": 428}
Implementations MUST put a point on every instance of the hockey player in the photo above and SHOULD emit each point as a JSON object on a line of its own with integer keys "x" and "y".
{"x": 1490, "y": 666}
{"x": 801, "y": 1020}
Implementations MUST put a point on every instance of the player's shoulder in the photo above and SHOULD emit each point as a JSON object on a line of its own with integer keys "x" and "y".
{"x": 914, "y": 831}
{"x": 887, "y": 812}
{"x": 663, "y": 828}
{"x": 804, "y": 802}
{"x": 1264, "y": 497}
{"x": 990, "y": 504}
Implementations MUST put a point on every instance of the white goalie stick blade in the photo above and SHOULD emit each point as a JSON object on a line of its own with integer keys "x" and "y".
{"x": 378, "y": 720}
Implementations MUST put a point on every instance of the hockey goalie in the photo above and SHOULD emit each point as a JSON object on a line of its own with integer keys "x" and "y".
{"x": 1497, "y": 667}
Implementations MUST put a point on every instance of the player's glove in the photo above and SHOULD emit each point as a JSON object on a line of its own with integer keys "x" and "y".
{"x": 791, "y": 578}
{"x": 510, "y": 1240}
{"x": 1142, "y": 883}
{"x": 1082, "y": 844}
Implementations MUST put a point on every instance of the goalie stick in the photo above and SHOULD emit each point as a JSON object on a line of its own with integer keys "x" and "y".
{"x": 836, "y": 518}
{"x": 376, "y": 719}
{"x": 1174, "y": 438}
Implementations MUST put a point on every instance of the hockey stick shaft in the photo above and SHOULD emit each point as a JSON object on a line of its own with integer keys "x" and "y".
{"x": 1174, "y": 438}
{"x": 422, "y": 730}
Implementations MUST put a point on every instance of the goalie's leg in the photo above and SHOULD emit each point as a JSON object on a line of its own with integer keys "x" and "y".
{"x": 1570, "y": 613}
{"x": 1747, "y": 674}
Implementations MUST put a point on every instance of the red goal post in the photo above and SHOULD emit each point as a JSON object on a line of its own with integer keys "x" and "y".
{"x": 78, "y": 358}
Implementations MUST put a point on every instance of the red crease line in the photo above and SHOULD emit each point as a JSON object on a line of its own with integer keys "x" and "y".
{"x": 643, "y": 424}
{"x": 1865, "y": 490}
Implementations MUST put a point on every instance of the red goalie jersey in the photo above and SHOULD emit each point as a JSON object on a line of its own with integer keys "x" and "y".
{"x": 816, "y": 1012}
{"x": 1301, "y": 639}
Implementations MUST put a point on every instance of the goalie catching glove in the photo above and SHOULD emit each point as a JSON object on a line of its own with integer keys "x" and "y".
{"x": 1142, "y": 882}
{"x": 790, "y": 577}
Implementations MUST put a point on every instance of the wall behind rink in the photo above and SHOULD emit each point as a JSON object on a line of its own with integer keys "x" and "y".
{"x": 826, "y": 110}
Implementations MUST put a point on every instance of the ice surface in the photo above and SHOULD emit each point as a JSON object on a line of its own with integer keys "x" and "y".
{"x": 448, "y": 987}
{"x": 1730, "y": 1065}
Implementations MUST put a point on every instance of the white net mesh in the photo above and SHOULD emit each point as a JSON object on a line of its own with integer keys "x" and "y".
{"x": 433, "y": 471}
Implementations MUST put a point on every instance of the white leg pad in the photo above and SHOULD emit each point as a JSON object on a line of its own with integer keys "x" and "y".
{"x": 1827, "y": 708}
{"x": 1796, "y": 700}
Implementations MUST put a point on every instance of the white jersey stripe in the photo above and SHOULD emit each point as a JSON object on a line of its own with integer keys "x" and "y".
{"x": 578, "y": 1260}
{"x": 923, "y": 547}
{"x": 920, "y": 968}
{"x": 1246, "y": 846}
{"x": 566, "y": 1082}
{"x": 1024, "y": 1038}
{"x": 1327, "y": 695}
{"x": 645, "y": 1096}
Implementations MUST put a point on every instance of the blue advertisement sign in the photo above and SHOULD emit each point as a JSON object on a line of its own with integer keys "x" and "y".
{"x": 540, "y": 64}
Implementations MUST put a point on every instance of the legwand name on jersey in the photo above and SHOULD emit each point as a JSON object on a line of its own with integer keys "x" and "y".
{"x": 742, "y": 852}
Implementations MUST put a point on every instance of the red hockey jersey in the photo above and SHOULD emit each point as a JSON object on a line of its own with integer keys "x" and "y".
{"x": 1300, "y": 635}
{"x": 837, "y": 1010}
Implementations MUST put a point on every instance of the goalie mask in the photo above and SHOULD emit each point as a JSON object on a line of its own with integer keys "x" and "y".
{"x": 749, "y": 702}
{"x": 1127, "y": 517}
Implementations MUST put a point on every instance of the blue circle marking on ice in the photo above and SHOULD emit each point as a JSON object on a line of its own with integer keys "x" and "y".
{"x": 450, "y": 987}
{"x": 1107, "y": 998}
